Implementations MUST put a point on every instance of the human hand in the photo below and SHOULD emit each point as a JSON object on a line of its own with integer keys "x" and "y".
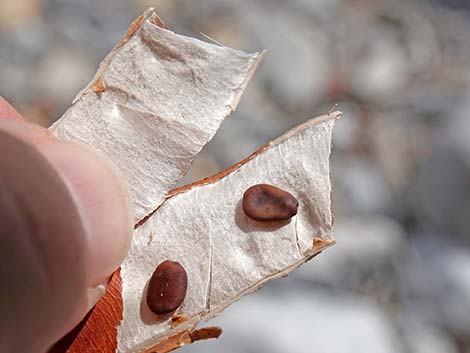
{"x": 65, "y": 226}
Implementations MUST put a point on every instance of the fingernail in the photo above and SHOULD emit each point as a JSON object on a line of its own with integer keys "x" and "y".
{"x": 95, "y": 294}
{"x": 7, "y": 112}
{"x": 103, "y": 204}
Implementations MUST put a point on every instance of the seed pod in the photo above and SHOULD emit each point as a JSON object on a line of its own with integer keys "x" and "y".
{"x": 264, "y": 202}
{"x": 167, "y": 287}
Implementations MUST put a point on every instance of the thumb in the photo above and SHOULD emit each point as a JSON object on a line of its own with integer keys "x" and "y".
{"x": 65, "y": 226}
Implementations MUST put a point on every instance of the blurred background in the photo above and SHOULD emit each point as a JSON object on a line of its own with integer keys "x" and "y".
{"x": 398, "y": 281}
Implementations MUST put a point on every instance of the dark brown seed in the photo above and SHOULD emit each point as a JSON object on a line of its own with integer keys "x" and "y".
{"x": 167, "y": 287}
{"x": 264, "y": 202}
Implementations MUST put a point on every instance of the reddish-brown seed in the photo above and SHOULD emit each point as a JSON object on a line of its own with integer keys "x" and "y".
{"x": 167, "y": 287}
{"x": 264, "y": 202}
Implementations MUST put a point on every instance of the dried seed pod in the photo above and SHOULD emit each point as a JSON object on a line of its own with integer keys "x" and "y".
{"x": 218, "y": 277}
{"x": 208, "y": 88}
{"x": 136, "y": 141}
{"x": 264, "y": 202}
{"x": 167, "y": 287}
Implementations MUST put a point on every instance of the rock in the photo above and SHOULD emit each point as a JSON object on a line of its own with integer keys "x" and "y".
{"x": 61, "y": 73}
{"x": 347, "y": 130}
{"x": 421, "y": 338}
{"x": 438, "y": 281}
{"x": 13, "y": 14}
{"x": 364, "y": 244}
{"x": 438, "y": 195}
{"x": 382, "y": 67}
{"x": 94, "y": 26}
{"x": 302, "y": 322}
{"x": 360, "y": 186}
{"x": 297, "y": 67}
{"x": 457, "y": 129}
{"x": 236, "y": 139}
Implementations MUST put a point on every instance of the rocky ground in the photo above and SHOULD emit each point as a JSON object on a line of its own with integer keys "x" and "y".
{"x": 398, "y": 280}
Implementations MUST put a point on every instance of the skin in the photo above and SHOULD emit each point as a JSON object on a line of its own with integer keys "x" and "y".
{"x": 65, "y": 226}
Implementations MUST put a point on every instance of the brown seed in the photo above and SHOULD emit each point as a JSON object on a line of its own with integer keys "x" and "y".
{"x": 264, "y": 202}
{"x": 167, "y": 287}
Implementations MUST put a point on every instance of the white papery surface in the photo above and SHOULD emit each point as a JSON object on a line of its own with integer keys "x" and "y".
{"x": 226, "y": 254}
{"x": 165, "y": 96}
{"x": 156, "y": 100}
